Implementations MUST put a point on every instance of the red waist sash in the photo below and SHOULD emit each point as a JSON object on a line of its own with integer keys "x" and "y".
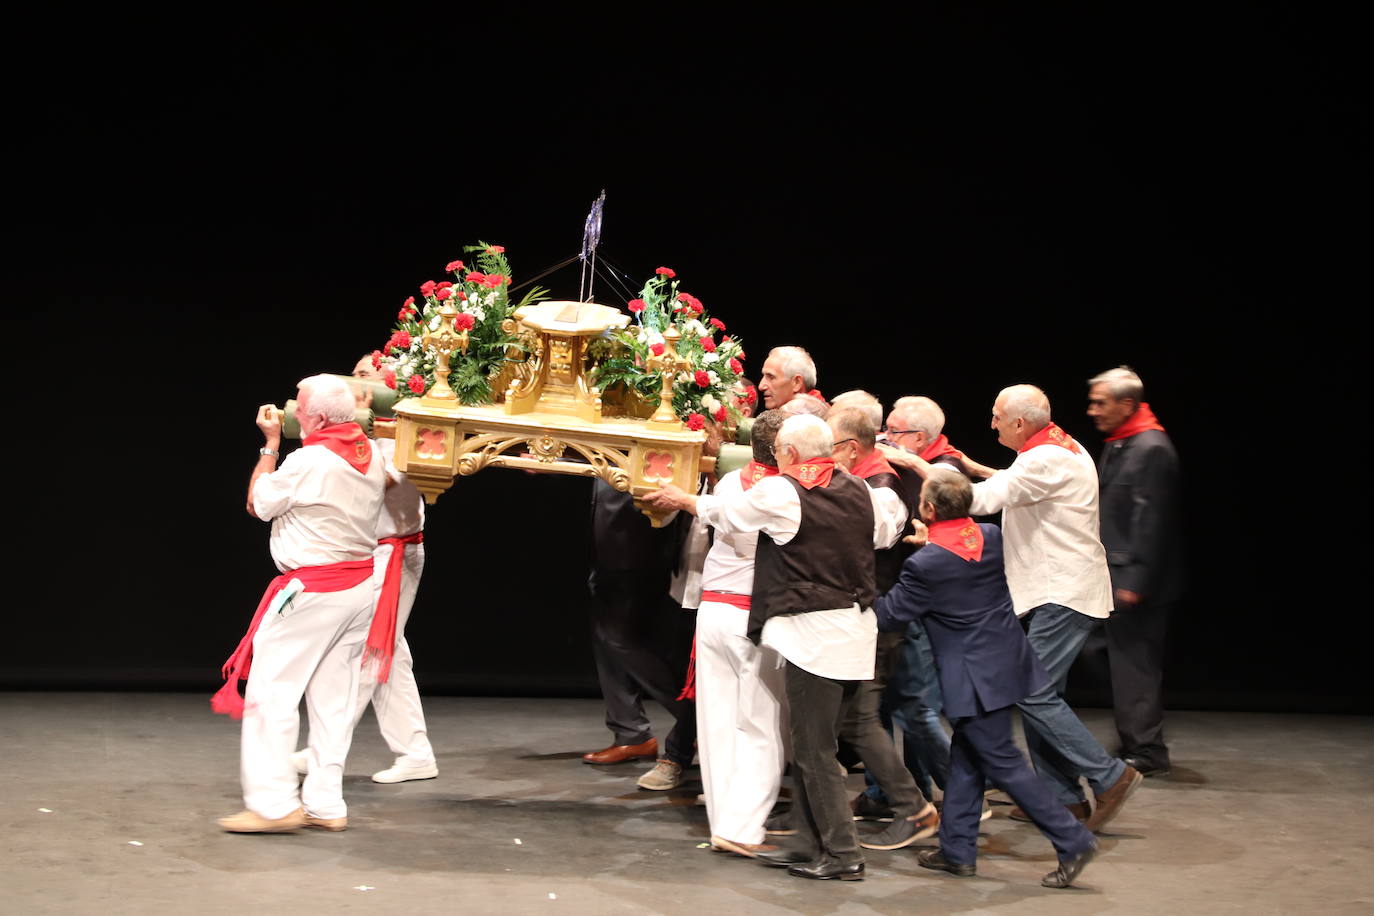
{"x": 381, "y": 638}
{"x": 739, "y": 601}
{"x": 689, "y": 689}
{"x": 331, "y": 577}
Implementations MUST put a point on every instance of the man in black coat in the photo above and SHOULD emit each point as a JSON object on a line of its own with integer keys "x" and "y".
{"x": 1138, "y": 476}
{"x": 956, "y": 586}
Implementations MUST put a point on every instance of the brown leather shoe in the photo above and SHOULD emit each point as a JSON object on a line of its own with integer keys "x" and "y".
{"x": 1109, "y": 803}
{"x": 1079, "y": 810}
{"x": 335, "y": 824}
{"x": 619, "y": 753}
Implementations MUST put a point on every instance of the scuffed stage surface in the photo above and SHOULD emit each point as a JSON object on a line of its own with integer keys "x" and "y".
{"x": 1264, "y": 813}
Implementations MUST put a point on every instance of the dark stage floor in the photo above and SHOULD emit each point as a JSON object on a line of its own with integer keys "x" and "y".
{"x": 110, "y": 800}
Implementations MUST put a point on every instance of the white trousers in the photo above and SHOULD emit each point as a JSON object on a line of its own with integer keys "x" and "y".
{"x": 312, "y": 648}
{"x": 740, "y": 721}
{"x": 397, "y": 702}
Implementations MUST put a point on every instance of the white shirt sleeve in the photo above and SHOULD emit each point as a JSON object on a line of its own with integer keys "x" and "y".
{"x": 889, "y": 516}
{"x": 274, "y": 494}
{"x": 771, "y": 506}
{"x": 1032, "y": 477}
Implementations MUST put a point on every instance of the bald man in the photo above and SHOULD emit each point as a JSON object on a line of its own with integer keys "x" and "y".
{"x": 1057, "y": 572}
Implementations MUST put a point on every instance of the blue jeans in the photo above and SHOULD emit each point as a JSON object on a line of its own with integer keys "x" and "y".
{"x": 913, "y": 702}
{"x": 1061, "y": 747}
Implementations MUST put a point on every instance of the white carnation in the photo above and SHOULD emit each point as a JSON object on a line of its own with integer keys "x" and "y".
{"x": 434, "y": 323}
{"x": 709, "y": 402}
{"x": 709, "y": 358}
{"x": 715, "y": 379}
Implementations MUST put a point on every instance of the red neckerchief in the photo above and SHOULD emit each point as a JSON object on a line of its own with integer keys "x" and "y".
{"x": 960, "y": 536}
{"x": 816, "y": 393}
{"x": 348, "y": 441}
{"x": 814, "y": 472}
{"x": 875, "y": 462}
{"x": 939, "y": 449}
{"x": 1051, "y": 435}
{"x": 753, "y": 472}
{"x": 1136, "y": 423}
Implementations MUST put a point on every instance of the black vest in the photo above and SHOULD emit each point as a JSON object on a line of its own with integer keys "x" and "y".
{"x": 827, "y": 565}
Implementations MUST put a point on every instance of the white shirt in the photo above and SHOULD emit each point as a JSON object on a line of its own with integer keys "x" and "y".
{"x": 322, "y": 509}
{"x": 839, "y": 643}
{"x": 1050, "y": 536}
{"x": 403, "y": 507}
{"x": 730, "y": 562}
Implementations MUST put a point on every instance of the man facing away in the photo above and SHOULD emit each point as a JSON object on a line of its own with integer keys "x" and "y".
{"x": 1141, "y": 528}
{"x": 1057, "y": 572}
{"x": 813, "y": 587}
{"x": 307, "y": 636}
{"x": 955, "y": 582}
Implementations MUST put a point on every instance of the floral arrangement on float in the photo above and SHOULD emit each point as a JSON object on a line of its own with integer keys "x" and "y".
{"x": 705, "y": 386}
{"x": 480, "y": 293}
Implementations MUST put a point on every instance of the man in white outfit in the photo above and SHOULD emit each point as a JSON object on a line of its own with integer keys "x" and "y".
{"x": 739, "y": 685}
{"x": 308, "y": 635}
{"x": 396, "y": 700}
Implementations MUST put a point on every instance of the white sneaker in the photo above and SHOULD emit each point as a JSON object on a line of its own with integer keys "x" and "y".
{"x": 301, "y": 761}
{"x": 402, "y": 772}
{"x": 665, "y": 775}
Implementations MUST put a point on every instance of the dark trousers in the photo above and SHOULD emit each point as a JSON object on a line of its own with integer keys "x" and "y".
{"x": 820, "y": 808}
{"x": 862, "y": 729}
{"x": 982, "y": 751}
{"x": 1135, "y": 649}
{"x": 641, "y": 640}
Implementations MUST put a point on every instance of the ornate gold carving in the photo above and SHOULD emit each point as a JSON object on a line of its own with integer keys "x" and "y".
{"x": 444, "y": 340}
{"x": 561, "y": 351}
{"x": 547, "y": 449}
{"x": 525, "y": 376}
{"x": 668, "y": 364}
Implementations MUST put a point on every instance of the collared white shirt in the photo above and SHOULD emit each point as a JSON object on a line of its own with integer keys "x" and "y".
{"x": 403, "y": 507}
{"x": 1050, "y": 531}
{"x": 839, "y": 643}
{"x": 322, "y": 509}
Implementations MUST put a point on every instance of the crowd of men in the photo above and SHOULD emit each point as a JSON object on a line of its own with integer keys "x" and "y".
{"x": 841, "y": 589}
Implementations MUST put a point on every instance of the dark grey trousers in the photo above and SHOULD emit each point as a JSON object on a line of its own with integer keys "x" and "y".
{"x": 862, "y": 729}
{"x": 820, "y": 807}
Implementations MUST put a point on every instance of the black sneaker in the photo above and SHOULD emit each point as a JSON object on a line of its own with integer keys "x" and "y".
{"x": 864, "y": 808}
{"x": 905, "y": 831}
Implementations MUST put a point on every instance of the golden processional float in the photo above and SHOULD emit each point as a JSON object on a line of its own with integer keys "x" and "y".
{"x": 559, "y": 387}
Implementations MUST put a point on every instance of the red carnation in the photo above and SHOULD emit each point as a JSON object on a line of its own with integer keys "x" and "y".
{"x": 401, "y": 339}
{"x": 444, "y": 285}
{"x": 494, "y": 280}
{"x": 702, "y": 379}
{"x": 463, "y": 321}
{"x": 409, "y": 303}
{"x": 696, "y": 421}
{"x": 708, "y": 344}
{"x": 427, "y": 288}
{"x": 721, "y": 414}
{"x": 496, "y": 249}
{"x": 403, "y": 314}
{"x": 717, "y": 324}
{"x": 670, "y": 274}
{"x": 453, "y": 266}
{"x": 751, "y": 395}
{"x": 376, "y": 359}
{"x": 636, "y": 305}
{"x": 442, "y": 294}
{"x": 474, "y": 277}
{"x": 656, "y": 349}
{"x": 389, "y": 377}
{"x": 416, "y": 383}
{"x": 736, "y": 367}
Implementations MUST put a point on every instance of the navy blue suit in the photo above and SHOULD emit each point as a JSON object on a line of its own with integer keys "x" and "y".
{"x": 986, "y": 666}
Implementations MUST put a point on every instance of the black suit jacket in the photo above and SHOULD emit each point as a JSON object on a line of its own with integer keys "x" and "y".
{"x": 1141, "y": 525}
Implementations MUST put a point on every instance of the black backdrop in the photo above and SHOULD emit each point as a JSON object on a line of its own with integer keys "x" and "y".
{"x": 944, "y": 201}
